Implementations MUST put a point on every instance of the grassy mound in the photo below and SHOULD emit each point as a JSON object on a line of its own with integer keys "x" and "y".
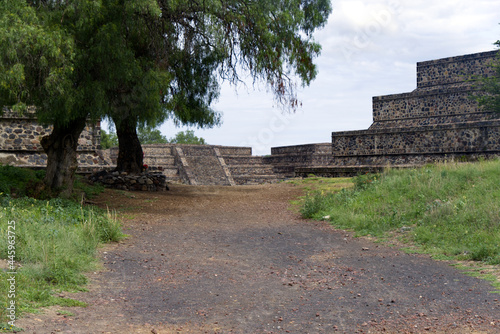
{"x": 451, "y": 210}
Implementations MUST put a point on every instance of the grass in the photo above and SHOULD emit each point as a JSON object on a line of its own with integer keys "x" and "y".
{"x": 448, "y": 210}
{"x": 53, "y": 244}
{"x": 313, "y": 185}
{"x": 19, "y": 182}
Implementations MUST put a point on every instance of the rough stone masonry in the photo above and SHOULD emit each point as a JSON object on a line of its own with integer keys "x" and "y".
{"x": 437, "y": 121}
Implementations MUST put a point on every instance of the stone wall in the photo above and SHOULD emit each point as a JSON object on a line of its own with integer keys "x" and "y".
{"x": 430, "y": 107}
{"x": 20, "y": 136}
{"x": 206, "y": 164}
{"x": 437, "y": 121}
{"x": 445, "y": 71}
{"x": 286, "y": 159}
{"x": 456, "y": 138}
{"x": 442, "y": 94}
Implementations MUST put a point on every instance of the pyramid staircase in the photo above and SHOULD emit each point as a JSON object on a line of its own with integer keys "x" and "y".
{"x": 208, "y": 164}
{"x": 247, "y": 169}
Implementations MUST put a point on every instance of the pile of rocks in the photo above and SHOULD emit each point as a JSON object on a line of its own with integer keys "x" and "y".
{"x": 145, "y": 181}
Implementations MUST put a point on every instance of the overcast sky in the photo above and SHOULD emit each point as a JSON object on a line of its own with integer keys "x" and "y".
{"x": 370, "y": 48}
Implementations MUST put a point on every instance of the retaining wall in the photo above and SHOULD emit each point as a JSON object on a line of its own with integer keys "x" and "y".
{"x": 438, "y": 121}
{"x": 20, "y": 136}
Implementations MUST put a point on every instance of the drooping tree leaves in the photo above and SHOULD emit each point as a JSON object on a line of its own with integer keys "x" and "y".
{"x": 140, "y": 62}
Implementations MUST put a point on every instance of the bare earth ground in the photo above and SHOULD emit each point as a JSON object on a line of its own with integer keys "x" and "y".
{"x": 238, "y": 260}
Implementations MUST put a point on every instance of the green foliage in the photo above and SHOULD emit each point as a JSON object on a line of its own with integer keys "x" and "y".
{"x": 55, "y": 240}
{"x": 81, "y": 186}
{"x": 488, "y": 88}
{"x": 187, "y": 137}
{"x": 55, "y": 243}
{"x": 142, "y": 62}
{"x": 36, "y": 62}
{"x": 108, "y": 140}
{"x": 448, "y": 209}
{"x": 364, "y": 181}
{"x": 19, "y": 182}
{"x": 25, "y": 182}
{"x": 150, "y": 136}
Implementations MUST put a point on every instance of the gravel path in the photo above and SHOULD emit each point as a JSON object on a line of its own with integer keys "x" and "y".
{"x": 239, "y": 260}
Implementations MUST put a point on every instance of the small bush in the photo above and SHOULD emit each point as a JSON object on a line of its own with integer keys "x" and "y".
{"x": 363, "y": 181}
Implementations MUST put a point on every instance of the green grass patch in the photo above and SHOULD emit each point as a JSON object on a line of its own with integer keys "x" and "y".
{"x": 50, "y": 244}
{"x": 322, "y": 184}
{"x": 83, "y": 188}
{"x": 19, "y": 182}
{"x": 449, "y": 210}
{"x": 318, "y": 185}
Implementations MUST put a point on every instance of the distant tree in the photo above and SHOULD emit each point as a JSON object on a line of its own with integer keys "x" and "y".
{"x": 187, "y": 137}
{"x": 488, "y": 88}
{"x": 108, "y": 140}
{"x": 148, "y": 135}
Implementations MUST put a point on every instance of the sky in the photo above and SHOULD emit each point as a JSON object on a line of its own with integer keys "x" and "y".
{"x": 369, "y": 48}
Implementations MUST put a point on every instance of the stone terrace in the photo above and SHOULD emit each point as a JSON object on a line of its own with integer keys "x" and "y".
{"x": 438, "y": 121}
{"x": 207, "y": 164}
{"x": 20, "y": 135}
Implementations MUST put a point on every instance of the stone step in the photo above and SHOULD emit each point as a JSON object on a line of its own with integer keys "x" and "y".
{"x": 197, "y": 150}
{"x": 157, "y": 149}
{"x": 254, "y": 179}
{"x": 235, "y": 150}
{"x": 174, "y": 179}
{"x": 341, "y": 171}
{"x": 207, "y": 170}
{"x": 321, "y": 148}
{"x": 251, "y": 170}
{"x": 159, "y": 160}
{"x": 157, "y": 154}
{"x": 242, "y": 160}
{"x": 169, "y": 170}
{"x": 284, "y": 171}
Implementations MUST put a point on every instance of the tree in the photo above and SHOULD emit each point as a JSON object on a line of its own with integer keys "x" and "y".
{"x": 187, "y": 137}
{"x": 199, "y": 43}
{"x": 140, "y": 62}
{"x": 67, "y": 58}
{"x": 36, "y": 68}
{"x": 151, "y": 136}
{"x": 488, "y": 88}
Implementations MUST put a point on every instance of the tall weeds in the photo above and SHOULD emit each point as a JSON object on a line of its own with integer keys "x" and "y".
{"x": 55, "y": 244}
{"x": 451, "y": 209}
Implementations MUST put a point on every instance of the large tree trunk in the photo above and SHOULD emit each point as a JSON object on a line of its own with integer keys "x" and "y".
{"x": 130, "y": 156}
{"x": 60, "y": 147}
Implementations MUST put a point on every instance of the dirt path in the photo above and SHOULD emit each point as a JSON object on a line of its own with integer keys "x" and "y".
{"x": 238, "y": 260}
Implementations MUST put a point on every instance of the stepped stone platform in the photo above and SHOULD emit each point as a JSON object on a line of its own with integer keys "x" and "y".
{"x": 206, "y": 164}
{"x": 20, "y": 135}
{"x": 437, "y": 121}
{"x": 286, "y": 159}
